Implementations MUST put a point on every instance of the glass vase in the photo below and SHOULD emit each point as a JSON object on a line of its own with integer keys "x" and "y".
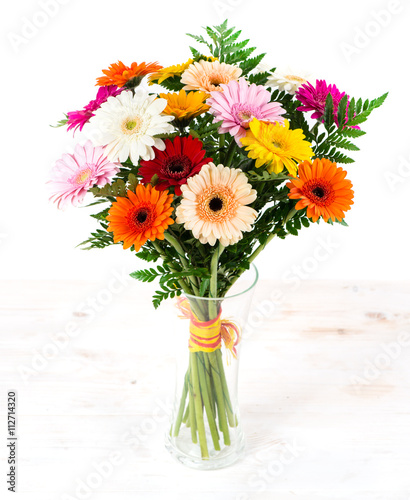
{"x": 205, "y": 430}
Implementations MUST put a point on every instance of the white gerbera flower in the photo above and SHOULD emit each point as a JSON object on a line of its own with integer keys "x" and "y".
{"x": 213, "y": 205}
{"x": 126, "y": 125}
{"x": 288, "y": 80}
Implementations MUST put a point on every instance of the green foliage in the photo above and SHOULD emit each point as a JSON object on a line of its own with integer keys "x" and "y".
{"x": 259, "y": 78}
{"x": 117, "y": 188}
{"x": 61, "y": 123}
{"x": 169, "y": 280}
{"x": 265, "y": 176}
{"x": 338, "y": 135}
{"x": 173, "y": 84}
{"x": 222, "y": 43}
{"x": 99, "y": 239}
{"x": 148, "y": 254}
{"x": 362, "y": 114}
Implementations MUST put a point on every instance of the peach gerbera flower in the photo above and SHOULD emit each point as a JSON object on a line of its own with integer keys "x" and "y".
{"x": 120, "y": 75}
{"x": 323, "y": 189}
{"x": 214, "y": 205}
{"x": 141, "y": 216}
{"x": 208, "y": 76}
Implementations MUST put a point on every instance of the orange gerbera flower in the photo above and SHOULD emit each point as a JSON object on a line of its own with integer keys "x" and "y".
{"x": 119, "y": 74}
{"x": 322, "y": 188}
{"x": 141, "y": 216}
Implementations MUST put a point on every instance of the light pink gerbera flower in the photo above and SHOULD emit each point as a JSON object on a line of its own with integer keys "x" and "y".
{"x": 74, "y": 174}
{"x": 239, "y": 103}
{"x": 208, "y": 76}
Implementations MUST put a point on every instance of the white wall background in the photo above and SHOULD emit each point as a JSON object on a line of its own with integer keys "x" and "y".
{"x": 53, "y": 70}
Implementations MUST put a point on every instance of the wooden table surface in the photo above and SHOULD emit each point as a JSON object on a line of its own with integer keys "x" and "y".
{"x": 324, "y": 393}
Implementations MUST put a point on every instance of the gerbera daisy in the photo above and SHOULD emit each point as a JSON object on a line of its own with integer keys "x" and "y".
{"x": 74, "y": 174}
{"x": 141, "y": 216}
{"x": 276, "y": 146}
{"x": 288, "y": 80}
{"x": 182, "y": 158}
{"x": 323, "y": 189}
{"x": 120, "y": 75}
{"x": 77, "y": 119}
{"x": 128, "y": 123}
{"x": 184, "y": 106}
{"x": 165, "y": 73}
{"x": 239, "y": 103}
{"x": 208, "y": 76}
{"x": 313, "y": 98}
{"x": 214, "y": 205}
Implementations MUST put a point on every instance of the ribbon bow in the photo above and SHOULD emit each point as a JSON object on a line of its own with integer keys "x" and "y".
{"x": 206, "y": 336}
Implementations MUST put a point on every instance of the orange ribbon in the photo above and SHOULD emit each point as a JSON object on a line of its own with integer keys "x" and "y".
{"x": 206, "y": 336}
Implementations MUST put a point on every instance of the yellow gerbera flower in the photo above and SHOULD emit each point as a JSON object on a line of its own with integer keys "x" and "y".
{"x": 276, "y": 146}
{"x": 185, "y": 105}
{"x": 169, "y": 72}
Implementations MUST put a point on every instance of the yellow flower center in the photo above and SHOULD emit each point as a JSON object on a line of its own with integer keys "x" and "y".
{"x": 244, "y": 116}
{"x": 132, "y": 125}
{"x": 295, "y": 78}
{"x": 83, "y": 175}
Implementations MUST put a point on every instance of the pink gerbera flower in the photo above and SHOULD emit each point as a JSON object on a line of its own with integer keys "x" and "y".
{"x": 314, "y": 98}
{"x": 239, "y": 103}
{"x": 74, "y": 174}
{"x": 77, "y": 119}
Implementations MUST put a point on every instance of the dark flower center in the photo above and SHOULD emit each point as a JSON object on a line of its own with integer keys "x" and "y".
{"x": 177, "y": 167}
{"x": 216, "y": 204}
{"x": 141, "y": 216}
{"x": 318, "y": 191}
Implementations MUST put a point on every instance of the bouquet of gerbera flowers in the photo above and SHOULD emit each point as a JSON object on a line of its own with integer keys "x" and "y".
{"x": 201, "y": 173}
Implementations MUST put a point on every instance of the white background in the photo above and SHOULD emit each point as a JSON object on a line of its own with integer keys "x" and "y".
{"x": 54, "y": 71}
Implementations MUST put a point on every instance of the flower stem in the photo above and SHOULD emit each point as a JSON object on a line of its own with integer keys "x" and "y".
{"x": 213, "y": 285}
{"x": 253, "y": 256}
{"x": 225, "y": 390}
{"x": 192, "y": 419}
{"x": 197, "y": 396}
{"x": 175, "y": 243}
{"x": 221, "y": 147}
{"x": 207, "y": 401}
{"x": 223, "y": 424}
{"x": 230, "y": 153}
{"x": 178, "y": 422}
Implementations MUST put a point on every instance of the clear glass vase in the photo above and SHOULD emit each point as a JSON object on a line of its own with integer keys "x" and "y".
{"x": 205, "y": 429}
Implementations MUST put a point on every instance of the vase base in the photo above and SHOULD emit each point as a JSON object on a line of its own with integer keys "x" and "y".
{"x": 187, "y": 454}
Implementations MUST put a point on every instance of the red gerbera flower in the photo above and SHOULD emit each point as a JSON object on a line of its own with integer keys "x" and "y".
{"x": 182, "y": 158}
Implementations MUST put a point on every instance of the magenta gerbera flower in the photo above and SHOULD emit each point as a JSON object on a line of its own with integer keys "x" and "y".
{"x": 314, "y": 98}
{"x": 239, "y": 103}
{"x": 74, "y": 174}
{"x": 77, "y": 119}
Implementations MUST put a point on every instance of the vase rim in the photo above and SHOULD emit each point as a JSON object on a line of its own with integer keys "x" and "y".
{"x": 254, "y": 281}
